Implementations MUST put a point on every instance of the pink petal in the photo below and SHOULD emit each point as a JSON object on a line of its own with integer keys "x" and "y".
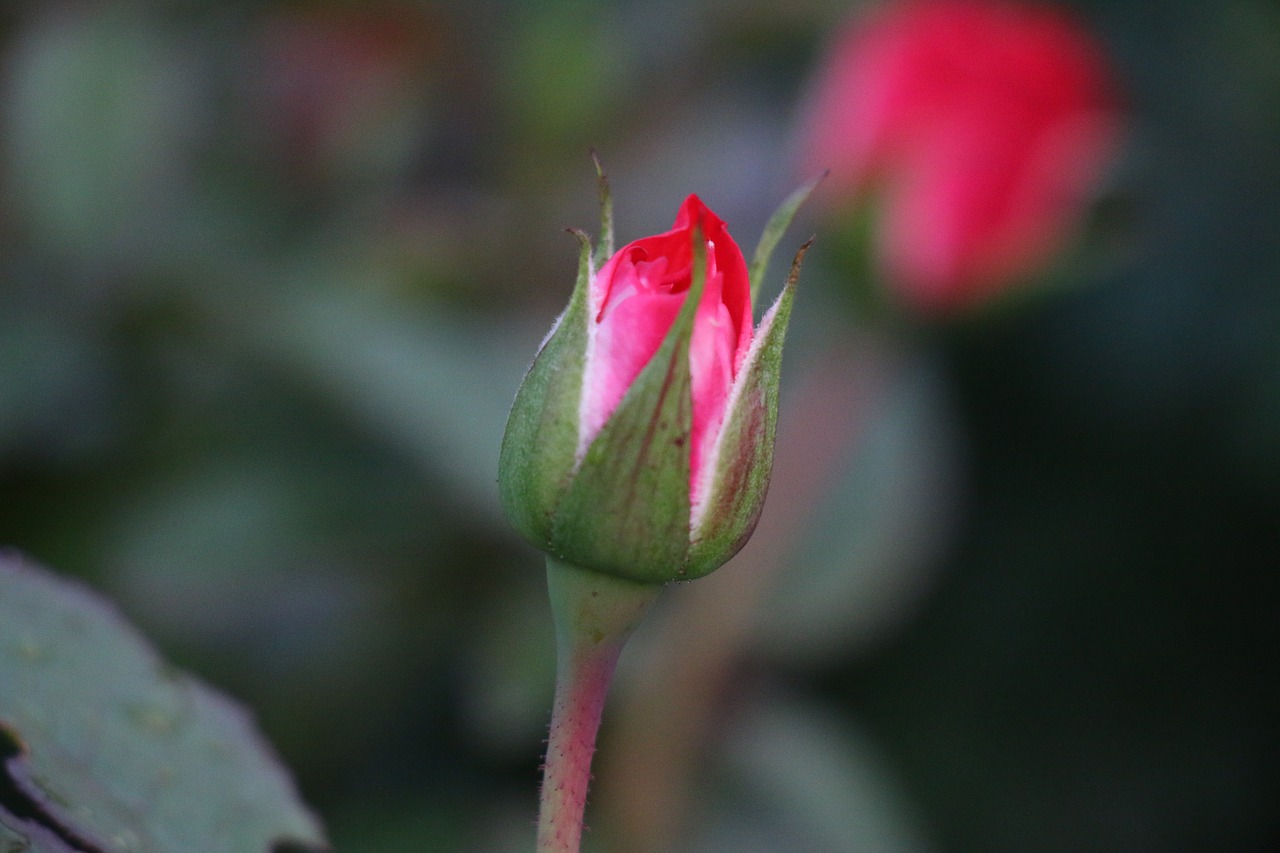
{"x": 625, "y": 340}
{"x": 637, "y": 295}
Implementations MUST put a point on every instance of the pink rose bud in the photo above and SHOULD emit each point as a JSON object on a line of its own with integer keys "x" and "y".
{"x": 635, "y": 298}
{"x": 984, "y": 124}
{"x": 641, "y": 441}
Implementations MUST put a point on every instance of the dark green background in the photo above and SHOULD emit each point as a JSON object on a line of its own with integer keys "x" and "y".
{"x": 254, "y": 392}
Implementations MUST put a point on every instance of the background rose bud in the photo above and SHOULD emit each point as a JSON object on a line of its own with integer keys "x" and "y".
{"x": 641, "y": 441}
{"x": 984, "y": 124}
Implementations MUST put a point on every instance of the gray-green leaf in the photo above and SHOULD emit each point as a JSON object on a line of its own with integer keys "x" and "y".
{"x": 105, "y": 748}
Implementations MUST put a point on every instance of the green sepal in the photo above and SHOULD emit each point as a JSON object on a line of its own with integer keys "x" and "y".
{"x": 539, "y": 448}
{"x": 744, "y": 461}
{"x": 773, "y": 231}
{"x": 604, "y": 250}
{"x": 627, "y": 510}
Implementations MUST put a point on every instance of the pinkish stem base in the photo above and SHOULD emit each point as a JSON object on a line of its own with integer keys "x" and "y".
{"x": 594, "y": 615}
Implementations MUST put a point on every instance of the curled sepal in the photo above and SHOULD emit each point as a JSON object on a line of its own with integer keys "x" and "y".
{"x": 604, "y": 250}
{"x": 743, "y": 461}
{"x": 539, "y": 448}
{"x": 627, "y": 510}
{"x": 777, "y": 225}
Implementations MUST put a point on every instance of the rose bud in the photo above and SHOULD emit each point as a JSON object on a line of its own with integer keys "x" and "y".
{"x": 984, "y": 125}
{"x": 641, "y": 441}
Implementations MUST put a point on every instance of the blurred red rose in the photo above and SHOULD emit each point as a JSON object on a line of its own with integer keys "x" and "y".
{"x": 984, "y": 124}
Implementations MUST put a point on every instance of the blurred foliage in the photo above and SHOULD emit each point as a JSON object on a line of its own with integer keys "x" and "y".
{"x": 107, "y": 748}
{"x": 272, "y": 272}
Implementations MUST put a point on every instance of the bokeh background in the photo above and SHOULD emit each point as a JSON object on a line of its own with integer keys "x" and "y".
{"x": 270, "y": 274}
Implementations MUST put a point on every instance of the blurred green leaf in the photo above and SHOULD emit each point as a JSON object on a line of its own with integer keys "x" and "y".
{"x": 101, "y": 114}
{"x": 116, "y": 752}
{"x": 438, "y": 386}
{"x": 556, "y": 92}
{"x": 880, "y": 512}
{"x": 799, "y": 777}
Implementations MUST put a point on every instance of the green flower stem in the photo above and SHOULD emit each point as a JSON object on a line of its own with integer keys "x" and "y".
{"x": 594, "y": 614}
